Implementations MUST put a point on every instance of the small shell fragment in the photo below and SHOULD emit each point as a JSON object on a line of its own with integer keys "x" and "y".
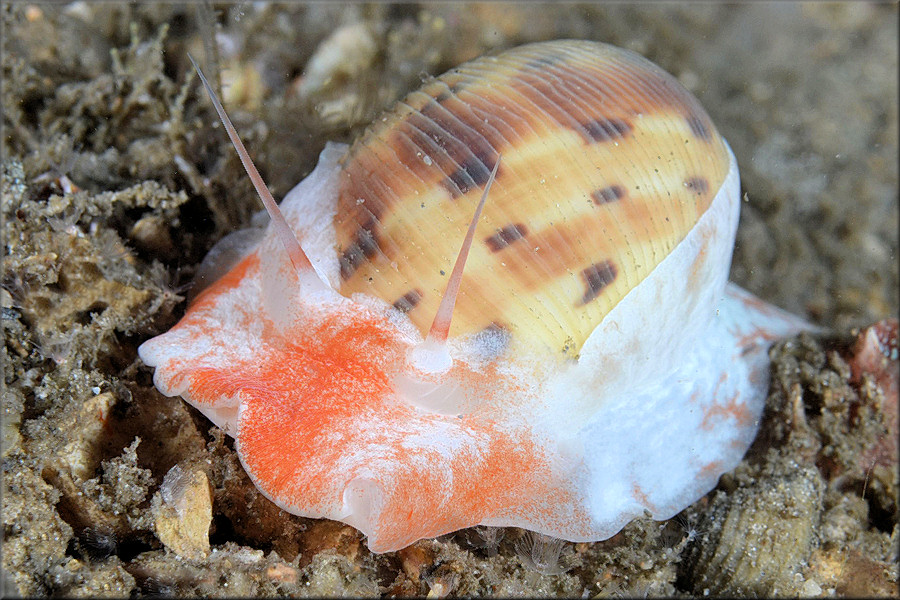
{"x": 757, "y": 538}
{"x": 185, "y": 512}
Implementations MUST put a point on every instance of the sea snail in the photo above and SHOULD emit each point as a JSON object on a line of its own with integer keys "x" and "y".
{"x": 597, "y": 366}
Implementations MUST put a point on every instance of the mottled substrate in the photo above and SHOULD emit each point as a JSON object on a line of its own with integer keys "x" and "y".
{"x": 115, "y": 182}
{"x": 812, "y": 509}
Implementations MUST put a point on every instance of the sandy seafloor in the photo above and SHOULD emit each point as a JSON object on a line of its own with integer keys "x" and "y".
{"x": 115, "y": 183}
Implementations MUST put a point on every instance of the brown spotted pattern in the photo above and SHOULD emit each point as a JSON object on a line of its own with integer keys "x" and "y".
{"x": 607, "y": 163}
{"x": 610, "y": 193}
{"x": 697, "y": 185}
{"x": 506, "y": 236}
{"x": 408, "y": 301}
{"x": 597, "y": 277}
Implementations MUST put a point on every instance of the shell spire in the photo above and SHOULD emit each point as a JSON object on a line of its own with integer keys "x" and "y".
{"x": 298, "y": 257}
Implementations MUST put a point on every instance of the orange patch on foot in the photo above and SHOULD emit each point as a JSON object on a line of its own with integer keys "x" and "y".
{"x": 642, "y": 498}
{"x": 713, "y": 469}
{"x": 731, "y": 409}
{"x": 319, "y": 411}
{"x": 756, "y": 337}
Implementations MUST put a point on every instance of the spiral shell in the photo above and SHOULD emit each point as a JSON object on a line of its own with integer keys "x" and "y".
{"x": 756, "y": 539}
{"x": 607, "y": 163}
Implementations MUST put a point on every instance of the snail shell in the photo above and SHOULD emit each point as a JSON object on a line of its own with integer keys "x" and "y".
{"x": 602, "y": 366}
{"x": 607, "y": 164}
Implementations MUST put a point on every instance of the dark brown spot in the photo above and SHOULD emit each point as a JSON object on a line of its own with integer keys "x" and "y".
{"x": 608, "y": 194}
{"x": 408, "y": 301}
{"x": 473, "y": 172}
{"x": 443, "y": 96}
{"x": 698, "y": 127}
{"x": 470, "y": 153}
{"x": 550, "y": 98}
{"x": 697, "y": 185}
{"x": 538, "y": 64}
{"x": 494, "y": 327}
{"x": 506, "y": 236}
{"x": 563, "y": 99}
{"x": 364, "y": 246}
{"x": 605, "y": 130}
{"x": 597, "y": 277}
{"x": 454, "y": 81}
